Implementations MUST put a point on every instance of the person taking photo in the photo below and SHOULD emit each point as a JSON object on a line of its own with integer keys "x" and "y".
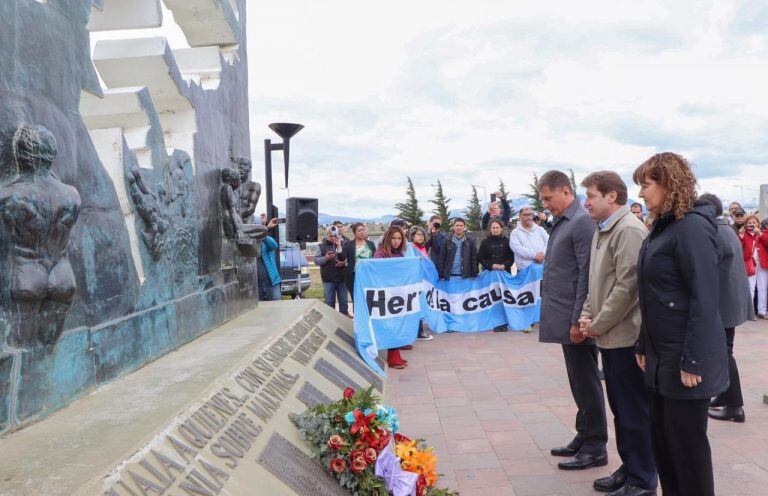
{"x": 331, "y": 260}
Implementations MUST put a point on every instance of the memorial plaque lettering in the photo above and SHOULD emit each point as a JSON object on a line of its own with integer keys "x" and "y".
{"x": 305, "y": 476}
{"x": 350, "y": 340}
{"x": 346, "y": 337}
{"x": 311, "y": 396}
{"x": 356, "y": 364}
{"x": 335, "y": 375}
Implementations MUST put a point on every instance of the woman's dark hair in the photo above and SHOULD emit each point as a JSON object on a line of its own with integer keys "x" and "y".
{"x": 674, "y": 174}
{"x": 415, "y": 230}
{"x": 399, "y": 223}
{"x": 714, "y": 200}
{"x": 386, "y": 241}
{"x": 495, "y": 221}
{"x": 355, "y": 225}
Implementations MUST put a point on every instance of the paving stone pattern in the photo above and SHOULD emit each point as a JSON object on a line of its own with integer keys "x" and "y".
{"x": 493, "y": 404}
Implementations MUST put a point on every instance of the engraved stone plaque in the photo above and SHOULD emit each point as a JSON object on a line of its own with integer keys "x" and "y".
{"x": 311, "y": 396}
{"x": 335, "y": 375}
{"x": 305, "y": 476}
{"x": 350, "y": 340}
{"x": 356, "y": 364}
{"x": 347, "y": 338}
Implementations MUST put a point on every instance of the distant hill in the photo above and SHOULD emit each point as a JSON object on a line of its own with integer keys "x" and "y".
{"x": 517, "y": 203}
{"x": 325, "y": 219}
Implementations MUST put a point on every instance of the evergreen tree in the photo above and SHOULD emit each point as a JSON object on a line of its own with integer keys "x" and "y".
{"x": 409, "y": 210}
{"x": 474, "y": 212}
{"x": 503, "y": 191}
{"x": 573, "y": 182}
{"x": 536, "y": 204}
{"x": 441, "y": 206}
{"x": 502, "y": 187}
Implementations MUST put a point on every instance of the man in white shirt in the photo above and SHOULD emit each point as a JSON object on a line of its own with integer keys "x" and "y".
{"x": 528, "y": 241}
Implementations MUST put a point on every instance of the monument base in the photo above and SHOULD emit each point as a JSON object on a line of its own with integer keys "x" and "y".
{"x": 209, "y": 418}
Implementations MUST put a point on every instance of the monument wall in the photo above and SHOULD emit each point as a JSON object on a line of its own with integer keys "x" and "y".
{"x": 113, "y": 254}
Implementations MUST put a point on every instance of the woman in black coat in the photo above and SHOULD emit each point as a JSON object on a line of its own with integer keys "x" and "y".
{"x": 682, "y": 345}
{"x": 357, "y": 248}
{"x": 495, "y": 252}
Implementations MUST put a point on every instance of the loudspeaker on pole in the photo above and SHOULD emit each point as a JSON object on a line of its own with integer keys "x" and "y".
{"x": 301, "y": 219}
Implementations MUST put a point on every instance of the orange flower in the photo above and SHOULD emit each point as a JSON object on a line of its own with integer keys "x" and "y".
{"x": 418, "y": 461}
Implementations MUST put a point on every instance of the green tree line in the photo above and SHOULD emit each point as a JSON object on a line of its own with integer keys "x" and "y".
{"x": 410, "y": 211}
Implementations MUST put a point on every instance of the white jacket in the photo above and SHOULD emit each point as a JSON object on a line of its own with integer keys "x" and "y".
{"x": 526, "y": 244}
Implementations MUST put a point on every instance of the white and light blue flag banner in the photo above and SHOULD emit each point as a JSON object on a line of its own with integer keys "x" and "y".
{"x": 393, "y": 295}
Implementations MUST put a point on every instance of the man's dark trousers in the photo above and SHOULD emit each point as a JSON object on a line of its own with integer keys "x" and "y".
{"x": 584, "y": 378}
{"x": 628, "y": 398}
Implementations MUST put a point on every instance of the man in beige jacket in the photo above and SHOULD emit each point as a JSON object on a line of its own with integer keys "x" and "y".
{"x": 611, "y": 315}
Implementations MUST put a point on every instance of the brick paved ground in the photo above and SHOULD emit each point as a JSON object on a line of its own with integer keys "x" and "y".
{"x": 493, "y": 404}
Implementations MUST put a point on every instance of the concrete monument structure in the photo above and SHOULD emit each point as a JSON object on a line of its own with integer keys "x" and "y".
{"x": 211, "y": 418}
{"x": 124, "y": 143}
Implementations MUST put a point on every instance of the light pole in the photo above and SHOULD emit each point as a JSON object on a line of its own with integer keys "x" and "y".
{"x": 485, "y": 191}
{"x": 286, "y": 131}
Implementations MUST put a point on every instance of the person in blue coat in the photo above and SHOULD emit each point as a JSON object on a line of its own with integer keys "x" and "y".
{"x": 267, "y": 273}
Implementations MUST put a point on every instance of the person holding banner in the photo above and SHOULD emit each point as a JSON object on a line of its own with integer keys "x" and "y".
{"x": 495, "y": 254}
{"x": 611, "y": 315}
{"x": 393, "y": 245}
{"x": 563, "y": 292}
{"x": 418, "y": 238}
{"x": 458, "y": 256}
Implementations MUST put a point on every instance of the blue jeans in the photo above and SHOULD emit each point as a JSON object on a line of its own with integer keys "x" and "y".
{"x": 330, "y": 292}
{"x": 270, "y": 293}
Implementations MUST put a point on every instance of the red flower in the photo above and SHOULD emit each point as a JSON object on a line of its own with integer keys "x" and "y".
{"x": 362, "y": 424}
{"x": 335, "y": 442}
{"x": 382, "y": 441}
{"x": 338, "y": 465}
{"x": 421, "y": 486}
{"x": 356, "y": 454}
{"x": 399, "y": 438}
{"x": 349, "y": 393}
{"x": 370, "y": 455}
{"x": 358, "y": 464}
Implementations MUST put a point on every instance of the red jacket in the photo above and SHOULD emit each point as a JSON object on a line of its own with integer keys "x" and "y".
{"x": 748, "y": 242}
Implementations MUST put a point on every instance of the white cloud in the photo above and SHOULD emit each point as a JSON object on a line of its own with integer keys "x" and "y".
{"x": 470, "y": 92}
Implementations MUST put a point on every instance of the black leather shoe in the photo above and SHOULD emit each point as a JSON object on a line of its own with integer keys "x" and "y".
{"x": 733, "y": 413}
{"x": 568, "y": 450}
{"x": 630, "y": 490}
{"x": 584, "y": 461}
{"x": 612, "y": 483}
{"x": 565, "y": 451}
{"x": 716, "y": 402}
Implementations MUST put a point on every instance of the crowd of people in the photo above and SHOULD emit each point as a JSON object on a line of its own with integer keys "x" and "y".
{"x": 656, "y": 297}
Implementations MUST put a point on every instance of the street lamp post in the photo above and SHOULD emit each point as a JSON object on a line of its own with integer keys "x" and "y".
{"x": 484, "y": 190}
{"x": 286, "y": 131}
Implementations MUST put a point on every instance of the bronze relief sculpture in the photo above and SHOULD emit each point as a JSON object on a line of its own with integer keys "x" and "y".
{"x": 38, "y": 213}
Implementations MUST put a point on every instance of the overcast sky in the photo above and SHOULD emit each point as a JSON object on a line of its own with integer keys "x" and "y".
{"x": 470, "y": 92}
{"x": 467, "y": 92}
